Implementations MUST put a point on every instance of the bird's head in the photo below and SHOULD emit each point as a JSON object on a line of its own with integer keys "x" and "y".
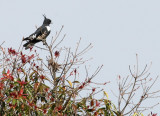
{"x": 46, "y": 21}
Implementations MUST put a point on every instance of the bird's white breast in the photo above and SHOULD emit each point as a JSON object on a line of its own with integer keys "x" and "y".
{"x": 48, "y": 28}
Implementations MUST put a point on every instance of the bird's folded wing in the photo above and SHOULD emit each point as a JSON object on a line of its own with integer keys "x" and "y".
{"x": 41, "y": 30}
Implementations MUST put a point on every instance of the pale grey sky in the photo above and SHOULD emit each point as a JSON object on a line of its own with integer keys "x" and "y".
{"x": 118, "y": 29}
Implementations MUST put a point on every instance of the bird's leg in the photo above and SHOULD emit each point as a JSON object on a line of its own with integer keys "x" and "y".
{"x": 44, "y": 42}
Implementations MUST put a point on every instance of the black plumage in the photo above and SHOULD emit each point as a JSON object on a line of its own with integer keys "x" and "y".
{"x": 39, "y": 35}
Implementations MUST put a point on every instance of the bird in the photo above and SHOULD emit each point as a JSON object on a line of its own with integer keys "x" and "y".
{"x": 39, "y": 35}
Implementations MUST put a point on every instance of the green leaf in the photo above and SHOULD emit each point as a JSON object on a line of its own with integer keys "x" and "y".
{"x": 75, "y": 82}
{"x": 4, "y": 71}
{"x": 28, "y": 91}
{"x": 9, "y": 100}
{"x": 18, "y": 102}
{"x": 31, "y": 75}
{"x": 14, "y": 101}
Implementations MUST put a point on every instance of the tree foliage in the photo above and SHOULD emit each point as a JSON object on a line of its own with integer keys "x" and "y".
{"x": 50, "y": 85}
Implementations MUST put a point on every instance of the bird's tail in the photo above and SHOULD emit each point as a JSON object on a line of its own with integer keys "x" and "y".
{"x": 28, "y": 45}
{"x": 27, "y": 38}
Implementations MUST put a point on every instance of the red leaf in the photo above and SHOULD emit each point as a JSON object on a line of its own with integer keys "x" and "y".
{"x": 8, "y": 73}
{"x": 154, "y": 114}
{"x": 12, "y": 51}
{"x": 42, "y": 77}
{"x": 92, "y": 102}
{"x": 59, "y": 108}
{"x": 44, "y": 111}
{"x": 97, "y": 103}
{"x": 30, "y": 57}
{"x": 93, "y": 90}
{"x": 11, "y": 86}
{"x": 8, "y": 76}
{"x": 81, "y": 87}
{"x": 22, "y": 82}
{"x": 1, "y": 85}
{"x": 21, "y": 92}
{"x": 23, "y": 58}
{"x": 56, "y": 54}
{"x": 75, "y": 71}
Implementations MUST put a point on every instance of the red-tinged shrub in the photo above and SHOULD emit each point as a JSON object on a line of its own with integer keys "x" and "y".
{"x": 24, "y": 86}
